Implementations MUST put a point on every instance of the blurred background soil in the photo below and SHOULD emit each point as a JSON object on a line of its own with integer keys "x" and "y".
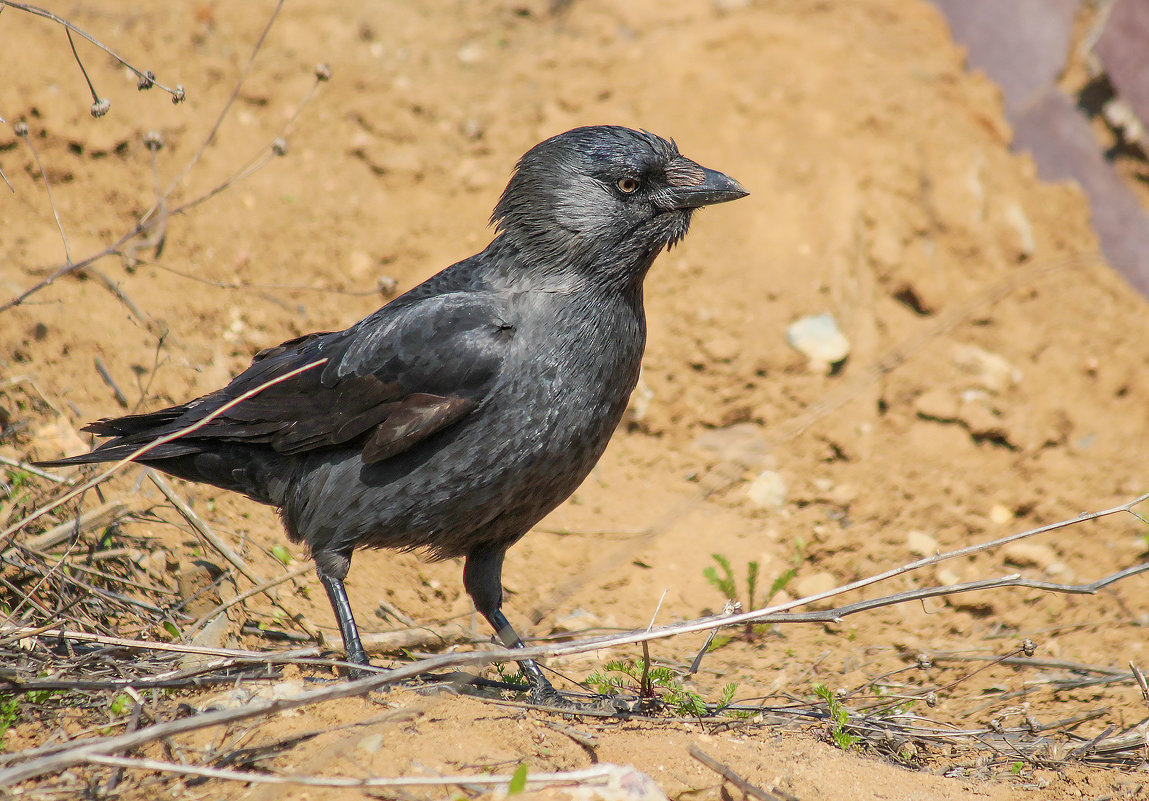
{"x": 997, "y": 378}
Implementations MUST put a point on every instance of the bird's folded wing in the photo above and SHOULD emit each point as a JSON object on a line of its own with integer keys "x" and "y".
{"x": 392, "y": 380}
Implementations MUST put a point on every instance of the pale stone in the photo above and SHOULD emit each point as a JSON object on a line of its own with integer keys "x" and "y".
{"x": 768, "y": 491}
{"x": 820, "y": 340}
{"x": 1000, "y": 514}
{"x": 921, "y": 543}
{"x": 1029, "y": 554}
{"x": 992, "y": 371}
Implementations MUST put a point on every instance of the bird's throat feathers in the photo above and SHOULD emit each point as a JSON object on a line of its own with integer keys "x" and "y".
{"x": 563, "y": 267}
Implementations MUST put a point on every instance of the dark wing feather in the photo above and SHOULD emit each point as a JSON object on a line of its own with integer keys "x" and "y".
{"x": 393, "y": 379}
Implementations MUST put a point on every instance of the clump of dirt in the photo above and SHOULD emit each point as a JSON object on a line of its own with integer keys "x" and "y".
{"x": 996, "y": 380}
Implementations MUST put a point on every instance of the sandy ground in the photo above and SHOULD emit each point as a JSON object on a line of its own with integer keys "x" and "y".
{"x": 997, "y": 379}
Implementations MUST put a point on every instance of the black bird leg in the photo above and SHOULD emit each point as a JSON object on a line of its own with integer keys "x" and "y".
{"x": 483, "y": 578}
{"x": 352, "y": 645}
{"x": 540, "y": 687}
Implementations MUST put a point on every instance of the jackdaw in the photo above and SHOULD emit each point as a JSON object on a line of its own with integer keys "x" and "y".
{"x": 459, "y": 414}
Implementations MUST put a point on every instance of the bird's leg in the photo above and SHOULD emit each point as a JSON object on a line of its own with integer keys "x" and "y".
{"x": 482, "y": 576}
{"x": 540, "y": 687}
{"x": 352, "y": 645}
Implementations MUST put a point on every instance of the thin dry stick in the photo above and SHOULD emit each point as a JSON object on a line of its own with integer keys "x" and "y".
{"x": 146, "y": 222}
{"x": 106, "y": 376}
{"x": 22, "y": 132}
{"x": 230, "y": 101}
{"x": 746, "y": 787}
{"x": 147, "y": 79}
{"x": 152, "y": 327}
{"x": 1140, "y": 678}
{"x": 243, "y": 596}
{"x": 28, "y": 597}
{"x": 99, "y": 107}
{"x": 104, "y": 476}
{"x": 201, "y": 527}
{"x": 52, "y": 759}
{"x": 9, "y": 633}
{"x": 31, "y": 468}
{"x": 227, "y": 551}
{"x": 103, "y": 515}
{"x": 535, "y": 781}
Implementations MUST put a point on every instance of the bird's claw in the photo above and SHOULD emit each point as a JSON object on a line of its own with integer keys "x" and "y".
{"x": 547, "y": 696}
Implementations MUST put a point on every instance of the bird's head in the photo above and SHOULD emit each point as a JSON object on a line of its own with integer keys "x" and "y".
{"x": 605, "y": 198}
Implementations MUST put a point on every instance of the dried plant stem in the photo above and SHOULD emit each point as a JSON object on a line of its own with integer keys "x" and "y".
{"x": 210, "y": 138}
{"x": 227, "y": 552}
{"x": 243, "y": 596}
{"x": 7, "y": 533}
{"x": 40, "y": 12}
{"x": 31, "y": 468}
{"x": 51, "y": 201}
{"x": 11, "y": 633}
{"x": 748, "y": 790}
{"x": 157, "y": 216}
{"x": 535, "y": 781}
{"x": 52, "y": 759}
{"x": 103, "y": 515}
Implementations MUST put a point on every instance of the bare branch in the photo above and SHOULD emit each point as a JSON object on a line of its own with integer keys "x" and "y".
{"x": 21, "y": 129}
{"x": 5, "y": 536}
{"x": 153, "y": 222}
{"x": 147, "y": 78}
{"x": 597, "y": 775}
{"x": 59, "y": 757}
{"x": 749, "y": 790}
{"x": 226, "y": 106}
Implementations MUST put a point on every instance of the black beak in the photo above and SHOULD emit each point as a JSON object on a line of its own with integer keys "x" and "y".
{"x": 702, "y": 187}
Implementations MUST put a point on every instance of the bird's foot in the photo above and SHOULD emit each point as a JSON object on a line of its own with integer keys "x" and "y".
{"x": 546, "y": 696}
{"x": 360, "y": 666}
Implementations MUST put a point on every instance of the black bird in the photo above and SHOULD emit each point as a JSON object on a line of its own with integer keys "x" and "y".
{"x": 459, "y": 414}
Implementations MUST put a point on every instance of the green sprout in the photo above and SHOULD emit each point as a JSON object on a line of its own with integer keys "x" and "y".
{"x": 839, "y": 718}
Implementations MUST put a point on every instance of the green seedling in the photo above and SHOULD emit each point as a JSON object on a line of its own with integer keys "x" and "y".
{"x": 9, "y": 711}
{"x": 839, "y": 718}
{"x": 122, "y": 705}
{"x": 656, "y": 684}
{"x": 518, "y": 781}
{"x": 517, "y": 678}
{"x": 726, "y": 584}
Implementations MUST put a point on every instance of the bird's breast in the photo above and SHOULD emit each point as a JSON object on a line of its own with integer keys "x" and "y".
{"x": 572, "y": 365}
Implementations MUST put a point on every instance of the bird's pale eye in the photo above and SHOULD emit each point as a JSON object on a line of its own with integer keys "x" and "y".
{"x": 627, "y": 185}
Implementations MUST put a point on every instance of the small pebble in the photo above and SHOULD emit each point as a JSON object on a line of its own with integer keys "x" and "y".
{"x": 921, "y": 543}
{"x": 768, "y": 491}
{"x": 820, "y": 340}
{"x": 470, "y": 53}
{"x": 1000, "y": 514}
{"x": 993, "y": 372}
{"x": 1029, "y": 554}
{"x": 815, "y": 584}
